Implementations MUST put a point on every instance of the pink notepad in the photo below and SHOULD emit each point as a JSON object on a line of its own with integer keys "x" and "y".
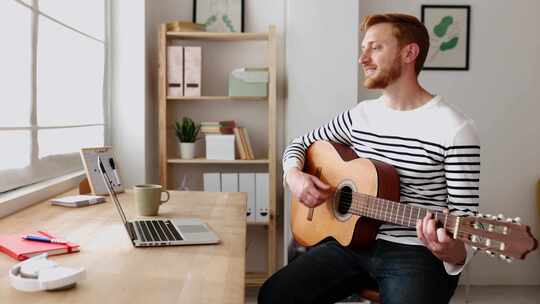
{"x": 20, "y": 249}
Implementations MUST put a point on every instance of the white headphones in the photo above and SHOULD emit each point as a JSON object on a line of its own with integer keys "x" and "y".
{"x": 38, "y": 273}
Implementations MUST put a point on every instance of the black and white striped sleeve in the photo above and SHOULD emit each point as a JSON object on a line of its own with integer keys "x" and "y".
{"x": 462, "y": 171}
{"x": 337, "y": 130}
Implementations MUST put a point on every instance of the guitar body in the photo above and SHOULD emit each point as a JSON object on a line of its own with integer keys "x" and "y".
{"x": 340, "y": 167}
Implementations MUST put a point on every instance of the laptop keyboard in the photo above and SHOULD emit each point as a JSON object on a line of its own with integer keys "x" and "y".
{"x": 157, "y": 231}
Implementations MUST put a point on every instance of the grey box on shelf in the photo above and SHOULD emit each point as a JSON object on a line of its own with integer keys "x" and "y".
{"x": 249, "y": 82}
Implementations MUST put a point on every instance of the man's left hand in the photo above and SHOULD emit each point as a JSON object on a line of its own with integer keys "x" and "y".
{"x": 439, "y": 242}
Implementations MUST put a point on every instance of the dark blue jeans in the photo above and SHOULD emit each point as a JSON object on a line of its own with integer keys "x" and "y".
{"x": 330, "y": 272}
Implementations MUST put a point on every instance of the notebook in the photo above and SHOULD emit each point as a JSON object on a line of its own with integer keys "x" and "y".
{"x": 78, "y": 200}
{"x": 159, "y": 231}
{"x": 15, "y": 246}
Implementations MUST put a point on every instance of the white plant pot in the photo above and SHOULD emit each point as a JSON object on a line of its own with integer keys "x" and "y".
{"x": 187, "y": 150}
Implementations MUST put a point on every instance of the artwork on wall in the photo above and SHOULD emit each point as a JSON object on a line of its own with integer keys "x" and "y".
{"x": 448, "y": 27}
{"x": 219, "y": 15}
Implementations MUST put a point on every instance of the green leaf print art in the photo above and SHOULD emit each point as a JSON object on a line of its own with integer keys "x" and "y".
{"x": 441, "y": 29}
{"x": 444, "y": 37}
{"x": 448, "y": 29}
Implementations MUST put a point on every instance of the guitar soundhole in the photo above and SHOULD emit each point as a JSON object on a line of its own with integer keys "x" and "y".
{"x": 345, "y": 199}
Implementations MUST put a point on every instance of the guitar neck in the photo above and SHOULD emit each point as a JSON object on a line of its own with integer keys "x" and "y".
{"x": 398, "y": 213}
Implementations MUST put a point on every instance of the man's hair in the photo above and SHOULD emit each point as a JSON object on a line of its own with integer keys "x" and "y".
{"x": 407, "y": 29}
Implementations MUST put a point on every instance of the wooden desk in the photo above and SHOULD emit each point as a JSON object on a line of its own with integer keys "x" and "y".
{"x": 117, "y": 272}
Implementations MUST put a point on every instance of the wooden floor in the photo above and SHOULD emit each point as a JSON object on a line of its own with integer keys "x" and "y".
{"x": 477, "y": 295}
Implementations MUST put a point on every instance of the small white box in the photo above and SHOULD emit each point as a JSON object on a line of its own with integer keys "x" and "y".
{"x": 219, "y": 147}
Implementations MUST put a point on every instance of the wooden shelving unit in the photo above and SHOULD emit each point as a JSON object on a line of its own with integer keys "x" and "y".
{"x": 167, "y": 162}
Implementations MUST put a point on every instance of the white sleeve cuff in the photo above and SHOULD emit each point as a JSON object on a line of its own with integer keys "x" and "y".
{"x": 287, "y": 166}
{"x": 453, "y": 269}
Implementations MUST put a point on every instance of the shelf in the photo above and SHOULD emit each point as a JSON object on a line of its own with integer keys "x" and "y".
{"x": 218, "y": 36}
{"x": 201, "y": 160}
{"x": 257, "y": 223}
{"x": 255, "y": 279}
{"x": 218, "y": 98}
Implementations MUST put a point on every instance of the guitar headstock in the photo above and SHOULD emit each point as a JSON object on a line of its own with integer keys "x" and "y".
{"x": 497, "y": 236}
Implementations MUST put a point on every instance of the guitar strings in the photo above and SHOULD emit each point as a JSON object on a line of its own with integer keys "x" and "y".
{"x": 463, "y": 232}
{"x": 360, "y": 206}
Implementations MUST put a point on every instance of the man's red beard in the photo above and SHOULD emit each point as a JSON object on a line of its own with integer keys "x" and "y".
{"x": 385, "y": 77}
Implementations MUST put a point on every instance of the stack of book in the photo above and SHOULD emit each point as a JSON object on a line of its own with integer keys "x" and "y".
{"x": 221, "y": 127}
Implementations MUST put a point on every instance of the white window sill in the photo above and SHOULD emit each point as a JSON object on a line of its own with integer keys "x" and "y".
{"x": 21, "y": 198}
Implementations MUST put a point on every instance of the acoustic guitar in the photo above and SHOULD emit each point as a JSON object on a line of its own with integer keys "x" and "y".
{"x": 366, "y": 194}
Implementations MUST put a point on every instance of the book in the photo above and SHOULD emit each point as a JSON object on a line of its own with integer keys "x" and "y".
{"x": 227, "y": 126}
{"x": 78, "y": 200}
{"x": 249, "y": 148}
{"x": 239, "y": 144}
{"x": 17, "y": 247}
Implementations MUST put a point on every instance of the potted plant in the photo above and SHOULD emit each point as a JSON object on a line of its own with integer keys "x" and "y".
{"x": 187, "y": 132}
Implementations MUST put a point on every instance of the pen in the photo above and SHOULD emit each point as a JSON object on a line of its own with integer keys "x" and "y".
{"x": 42, "y": 239}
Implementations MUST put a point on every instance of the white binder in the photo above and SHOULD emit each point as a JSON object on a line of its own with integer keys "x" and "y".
{"x": 246, "y": 183}
{"x": 229, "y": 182}
{"x": 261, "y": 197}
{"x": 175, "y": 71}
{"x": 212, "y": 182}
{"x": 192, "y": 70}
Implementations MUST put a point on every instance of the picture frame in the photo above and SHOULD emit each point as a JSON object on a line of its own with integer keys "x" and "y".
{"x": 449, "y": 33}
{"x": 219, "y": 15}
{"x": 89, "y": 157}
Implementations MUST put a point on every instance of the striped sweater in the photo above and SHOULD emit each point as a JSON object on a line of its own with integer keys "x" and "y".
{"x": 435, "y": 149}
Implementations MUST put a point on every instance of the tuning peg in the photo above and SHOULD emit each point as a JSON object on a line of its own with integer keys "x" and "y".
{"x": 500, "y": 216}
{"x": 480, "y": 215}
{"x": 491, "y": 253}
{"x": 517, "y": 220}
{"x": 506, "y": 258}
{"x": 475, "y": 248}
{"x": 489, "y": 215}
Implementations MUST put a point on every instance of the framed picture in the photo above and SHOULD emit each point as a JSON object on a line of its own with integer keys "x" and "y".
{"x": 219, "y": 15}
{"x": 448, "y": 27}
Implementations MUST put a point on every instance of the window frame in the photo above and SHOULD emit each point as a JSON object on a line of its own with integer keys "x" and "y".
{"x": 24, "y": 196}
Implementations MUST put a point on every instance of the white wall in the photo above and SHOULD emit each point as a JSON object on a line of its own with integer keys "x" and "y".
{"x": 128, "y": 132}
{"x": 500, "y": 92}
{"x": 322, "y": 71}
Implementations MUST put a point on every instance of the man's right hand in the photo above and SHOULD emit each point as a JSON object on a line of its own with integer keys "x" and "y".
{"x": 307, "y": 188}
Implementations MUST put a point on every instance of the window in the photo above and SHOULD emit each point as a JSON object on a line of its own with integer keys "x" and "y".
{"x": 52, "y": 87}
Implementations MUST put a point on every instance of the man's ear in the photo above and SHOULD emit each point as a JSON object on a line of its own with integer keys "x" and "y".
{"x": 410, "y": 52}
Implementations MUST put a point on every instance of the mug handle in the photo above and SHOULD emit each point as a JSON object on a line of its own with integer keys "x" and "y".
{"x": 168, "y": 196}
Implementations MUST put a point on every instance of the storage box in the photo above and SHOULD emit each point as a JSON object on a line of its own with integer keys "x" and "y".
{"x": 219, "y": 147}
{"x": 248, "y": 82}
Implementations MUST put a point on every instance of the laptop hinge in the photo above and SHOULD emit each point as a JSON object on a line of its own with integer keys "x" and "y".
{"x": 131, "y": 231}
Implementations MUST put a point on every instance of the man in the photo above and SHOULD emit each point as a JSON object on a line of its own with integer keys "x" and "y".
{"x": 435, "y": 150}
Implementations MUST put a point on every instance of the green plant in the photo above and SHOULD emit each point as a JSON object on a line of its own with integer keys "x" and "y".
{"x": 187, "y": 131}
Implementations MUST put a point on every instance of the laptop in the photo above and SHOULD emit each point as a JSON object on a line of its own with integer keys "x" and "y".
{"x": 160, "y": 232}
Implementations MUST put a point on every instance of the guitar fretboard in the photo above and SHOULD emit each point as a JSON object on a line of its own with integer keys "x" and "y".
{"x": 393, "y": 212}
